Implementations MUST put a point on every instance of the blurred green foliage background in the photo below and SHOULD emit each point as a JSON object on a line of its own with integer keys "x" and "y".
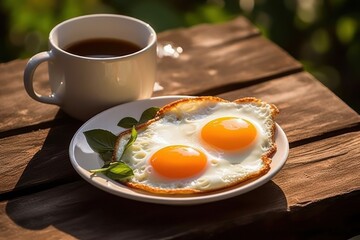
{"x": 323, "y": 34}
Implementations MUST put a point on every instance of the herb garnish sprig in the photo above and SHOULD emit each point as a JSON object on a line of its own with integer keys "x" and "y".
{"x": 129, "y": 122}
{"x": 103, "y": 142}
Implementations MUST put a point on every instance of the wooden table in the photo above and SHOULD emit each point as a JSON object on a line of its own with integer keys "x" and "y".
{"x": 315, "y": 195}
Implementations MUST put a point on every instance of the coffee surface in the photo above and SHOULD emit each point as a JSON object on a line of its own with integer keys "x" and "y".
{"x": 102, "y": 48}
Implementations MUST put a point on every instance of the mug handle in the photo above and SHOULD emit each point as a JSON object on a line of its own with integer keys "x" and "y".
{"x": 29, "y": 71}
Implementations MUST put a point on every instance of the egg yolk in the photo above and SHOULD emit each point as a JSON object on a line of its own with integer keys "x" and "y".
{"x": 229, "y": 133}
{"x": 178, "y": 161}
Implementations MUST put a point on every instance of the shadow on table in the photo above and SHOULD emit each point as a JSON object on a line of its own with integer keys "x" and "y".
{"x": 83, "y": 211}
{"x": 79, "y": 209}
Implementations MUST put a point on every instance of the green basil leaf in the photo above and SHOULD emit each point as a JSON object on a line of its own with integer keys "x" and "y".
{"x": 106, "y": 157}
{"x": 104, "y": 168}
{"x": 119, "y": 172}
{"x": 99, "y": 170}
{"x": 100, "y": 140}
{"x": 127, "y": 122}
{"x": 148, "y": 114}
{"x": 132, "y": 139}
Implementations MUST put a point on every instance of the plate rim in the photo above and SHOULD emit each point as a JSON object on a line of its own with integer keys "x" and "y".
{"x": 139, "y": 195}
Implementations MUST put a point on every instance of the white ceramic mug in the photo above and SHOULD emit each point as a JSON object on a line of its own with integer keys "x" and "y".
{"x": 84, "y": 86}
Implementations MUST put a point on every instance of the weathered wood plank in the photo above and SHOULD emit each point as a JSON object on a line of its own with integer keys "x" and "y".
{"x": 299, "y": 120}
{"x": 65, "y": 209}
{"x": 36, "y": 158}
{"x": 17, "y": 109}
{"x": 217, "y": 68}
{"x": 321, "y": 170}
{"x": 307, "y": 179}
{"x": 209, "y": 35}
{"x": 307, "y": 108}
{"x": 227, "y": 57}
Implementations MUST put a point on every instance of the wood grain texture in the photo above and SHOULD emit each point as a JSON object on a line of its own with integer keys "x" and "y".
{"x": 35, "y": 158}
{"x": 65, "y": 209}
{"x": 218, "y": 68}
{"x": 209, "y": 35}
{"x": 17, "y": 109}
{"x": 321, "y": 170}
{"x": 307, "y": 179}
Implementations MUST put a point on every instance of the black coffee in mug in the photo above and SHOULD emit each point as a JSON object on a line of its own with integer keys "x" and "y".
{"x": 86, "y": 86}
{"x": 102, "y": 48}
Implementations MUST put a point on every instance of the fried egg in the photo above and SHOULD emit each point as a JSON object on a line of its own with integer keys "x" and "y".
{"x": 200, "y": 144}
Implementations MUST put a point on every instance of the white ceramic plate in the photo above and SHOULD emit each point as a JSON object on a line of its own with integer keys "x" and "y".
{"x": 83, "y": 158}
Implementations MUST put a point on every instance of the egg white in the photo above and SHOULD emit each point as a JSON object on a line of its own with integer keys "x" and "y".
{"x": 181, "y": 125}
